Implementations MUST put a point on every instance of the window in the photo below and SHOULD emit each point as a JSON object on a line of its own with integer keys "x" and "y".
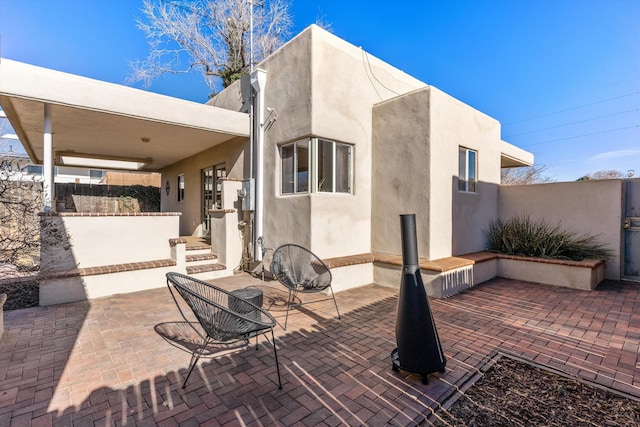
{"x": 180, "y": 187}
{"x": 95, "y": 174}
{"x": 334, "y": 167}
{"x": 467, "y": 170}
{"x": 295, "y": 167}
{"x": 34, "y": 169}
{"x": 327, "y": 164}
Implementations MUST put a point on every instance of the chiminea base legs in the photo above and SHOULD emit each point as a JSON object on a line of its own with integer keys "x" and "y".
{"x": 424, "y": 376}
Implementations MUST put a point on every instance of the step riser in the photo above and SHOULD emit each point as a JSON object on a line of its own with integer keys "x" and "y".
{"x": 203, "y": 262}
{"x": 198, "y": 251}
{"x": 209, "y": 275}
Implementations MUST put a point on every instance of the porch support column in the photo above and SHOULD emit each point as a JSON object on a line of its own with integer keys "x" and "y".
{"x": 258, "y": 80}
{"x": 47, "y": 169}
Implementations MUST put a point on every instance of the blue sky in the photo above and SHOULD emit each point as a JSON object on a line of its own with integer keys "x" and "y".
{"x": 562, "y": 76}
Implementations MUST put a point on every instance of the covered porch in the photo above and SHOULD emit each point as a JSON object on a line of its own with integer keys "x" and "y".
{"x": 69, "y": 120}
{"x": 117, "y": 360}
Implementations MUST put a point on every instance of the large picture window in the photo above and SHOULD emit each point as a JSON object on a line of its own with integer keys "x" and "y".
{"x": 327, "y": 165}
{"x": 467, "y": 170}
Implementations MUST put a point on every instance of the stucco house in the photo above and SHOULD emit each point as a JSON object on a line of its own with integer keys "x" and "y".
{"x": 341, "y": 144}
{"x": 348, "y": 143}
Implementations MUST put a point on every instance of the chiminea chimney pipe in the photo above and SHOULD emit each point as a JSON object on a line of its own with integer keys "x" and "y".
{"x": 409, "y": 241}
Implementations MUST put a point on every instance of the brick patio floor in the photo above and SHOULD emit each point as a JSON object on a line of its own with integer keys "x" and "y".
{"x": 109, "y": 362}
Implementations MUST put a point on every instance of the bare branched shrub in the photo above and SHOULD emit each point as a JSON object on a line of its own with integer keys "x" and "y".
{"x": 524, "y": 176}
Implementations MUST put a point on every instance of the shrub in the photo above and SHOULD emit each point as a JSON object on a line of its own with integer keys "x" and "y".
{"x": 522, "y": 236}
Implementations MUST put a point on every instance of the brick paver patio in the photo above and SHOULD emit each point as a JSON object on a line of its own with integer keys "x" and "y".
{"x": 108, "y": 362}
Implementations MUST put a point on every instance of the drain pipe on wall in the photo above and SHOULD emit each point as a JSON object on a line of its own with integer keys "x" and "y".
{"x": 258, "y": 81}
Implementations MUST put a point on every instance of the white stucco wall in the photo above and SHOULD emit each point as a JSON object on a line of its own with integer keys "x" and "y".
{"x": 111, "y": 239}
{"x": 593, "y": 207}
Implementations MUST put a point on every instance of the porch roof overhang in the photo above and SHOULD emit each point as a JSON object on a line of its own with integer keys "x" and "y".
{"x": 92, "y": 119}
{"x": 514, "y": 157}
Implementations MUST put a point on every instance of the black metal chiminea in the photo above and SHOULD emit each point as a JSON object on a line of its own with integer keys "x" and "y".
{"x": 419, "y": 350}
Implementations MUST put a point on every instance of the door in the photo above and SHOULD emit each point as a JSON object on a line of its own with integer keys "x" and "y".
{"x": 632, "y": 230}
{"x": 211, "y": 193}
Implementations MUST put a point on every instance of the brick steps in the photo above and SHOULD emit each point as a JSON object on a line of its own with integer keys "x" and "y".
{"x": 205, "y": 268}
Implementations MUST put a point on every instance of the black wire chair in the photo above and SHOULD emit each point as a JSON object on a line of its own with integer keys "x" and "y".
{"x": 300, "y": 271}
{"x": 223, "y": 316}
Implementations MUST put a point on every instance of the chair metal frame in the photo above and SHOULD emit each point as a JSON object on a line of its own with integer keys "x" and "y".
{"x": 237, "y": 320}
{"x": 297, "y": 281}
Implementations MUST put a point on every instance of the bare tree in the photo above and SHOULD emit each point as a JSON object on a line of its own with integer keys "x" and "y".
{"x": 209, "y": 36}
{"x": 525, "y": 175}
{"x": 604, "y": 174}
{"x": 31, "y": 245}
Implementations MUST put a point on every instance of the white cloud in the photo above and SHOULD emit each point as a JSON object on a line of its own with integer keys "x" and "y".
{"x": 615, "y": 154}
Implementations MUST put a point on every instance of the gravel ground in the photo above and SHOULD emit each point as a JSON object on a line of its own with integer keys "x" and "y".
{"x": 514, "y": 393}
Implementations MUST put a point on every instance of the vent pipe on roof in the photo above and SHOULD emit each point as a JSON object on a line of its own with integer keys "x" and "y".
{"x": 258, "y": 81}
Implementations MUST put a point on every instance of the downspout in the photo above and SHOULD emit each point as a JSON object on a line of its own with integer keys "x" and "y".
{"x": 47, "y": 167}
{"x": 258, "y": 81}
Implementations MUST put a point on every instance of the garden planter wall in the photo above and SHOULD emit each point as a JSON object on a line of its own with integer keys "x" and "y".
{"x": 585, "y": 275}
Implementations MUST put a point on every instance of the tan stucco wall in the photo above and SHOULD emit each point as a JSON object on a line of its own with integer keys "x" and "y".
{"x": 401, "y": 171}
{"x": 230, "y": 153}
{"x": 405, "y": 153}
{"x": 317, "y": 86}
{"x": 594, "y": 207}
{"x": 415, "y": 141}
{"x": 458, "y": 218}
{"x": 347, "y": 82}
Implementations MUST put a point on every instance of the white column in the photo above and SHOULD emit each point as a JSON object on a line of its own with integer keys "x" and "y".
{"x": 47, "y": 168}
{"x": 258, "y": 80}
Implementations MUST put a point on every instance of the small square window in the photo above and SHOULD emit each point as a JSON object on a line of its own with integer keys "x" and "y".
{"x": 96, "y": 174}
{"x": 467, "y": 170}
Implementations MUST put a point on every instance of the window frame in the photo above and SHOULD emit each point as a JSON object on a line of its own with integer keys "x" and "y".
{"x": 314, "y": 172}
{"x": 295, "y": 171}
{"x": 467, "y": 177}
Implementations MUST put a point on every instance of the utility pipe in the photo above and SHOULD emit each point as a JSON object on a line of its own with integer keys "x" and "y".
{"x": 258, "y": 81}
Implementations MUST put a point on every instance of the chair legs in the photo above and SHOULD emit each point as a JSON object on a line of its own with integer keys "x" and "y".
{"x": 334, "y": 301}
{"x": 194, "y": 359}
{"x": 292, "y": 297}
{"x": 198, "y": 353}
{"x": 289, "y": 304}
{"x": 275, "y": 354}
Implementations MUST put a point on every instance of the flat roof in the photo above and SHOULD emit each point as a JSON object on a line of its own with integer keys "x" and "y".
{"x": 104, "y": 120}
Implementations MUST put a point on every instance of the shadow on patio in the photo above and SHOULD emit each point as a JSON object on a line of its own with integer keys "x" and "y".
{"x": 120, "y": 370}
